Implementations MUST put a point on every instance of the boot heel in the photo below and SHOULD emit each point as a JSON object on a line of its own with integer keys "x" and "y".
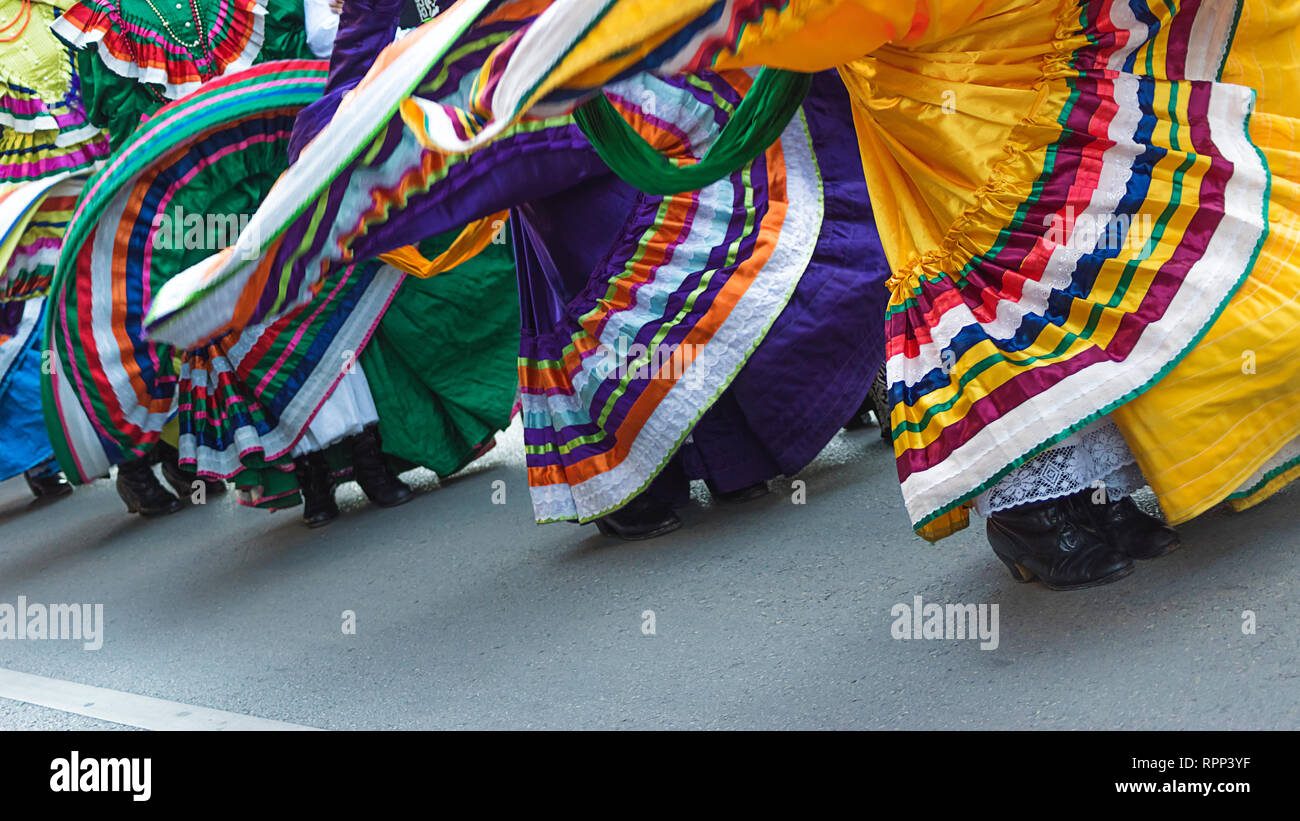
{"x": 1018, "y": 571}
{"x": 132, "y": 506}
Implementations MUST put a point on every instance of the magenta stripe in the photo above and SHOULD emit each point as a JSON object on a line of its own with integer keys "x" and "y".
{"x": 302, "y": 329}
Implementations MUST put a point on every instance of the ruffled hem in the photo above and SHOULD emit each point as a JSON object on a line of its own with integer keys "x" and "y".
{"x": 27, "y": 157}
{"x": 243, "y": 402}
{"x": 37, "y": 214}
{"x": 146, "y": 54}
{"x": 950, "y": 298}
{"x": 25, "y": 111}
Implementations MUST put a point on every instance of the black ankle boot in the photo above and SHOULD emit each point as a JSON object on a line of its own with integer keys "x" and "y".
{"x": 182, "y": 480}
{"x": 45, "y": 481}
{"x": 1132, "y": 532}
{"x": 370, "y": 470}
{"x": 1055, "y": 543}
{"x": 317, "y": 488}
{"x": 641, "y": 518}
{"x": 142, "y": 492}
{"x": 745, "y": 494}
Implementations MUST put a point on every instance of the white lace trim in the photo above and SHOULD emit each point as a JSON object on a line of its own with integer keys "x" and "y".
{"x": 1095, "y": 457}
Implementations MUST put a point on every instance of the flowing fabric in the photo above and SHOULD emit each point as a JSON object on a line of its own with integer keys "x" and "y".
{"x": 135, "y": 56}
{"x": 47, "y": 149}
{"x": 612, "y": 391}
{"x": 172, "y": 194}
{"x": 755, "y": 124}
{"x": 178, "y": 190}
{"x": 1090, "y": 208}
{"x": 639, "y": 311}
{"x": 441, "y": 364}
{"x": 33, "y": 217}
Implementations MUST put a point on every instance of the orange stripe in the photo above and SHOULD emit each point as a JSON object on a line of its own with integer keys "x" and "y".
{"x": 252, "y": 293}
{"x": 125, "y": 347}
{"x": 521, "y": 10}
{"x": 546, "y": 378}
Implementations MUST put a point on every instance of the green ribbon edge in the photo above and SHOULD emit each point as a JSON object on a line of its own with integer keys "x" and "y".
{"x": 756, "y": 123}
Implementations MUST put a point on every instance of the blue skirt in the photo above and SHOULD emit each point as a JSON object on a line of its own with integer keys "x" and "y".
{"x": 23, "y": 441}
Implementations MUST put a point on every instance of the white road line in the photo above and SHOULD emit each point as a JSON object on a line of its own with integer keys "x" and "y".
{"x": 127, "y": 708}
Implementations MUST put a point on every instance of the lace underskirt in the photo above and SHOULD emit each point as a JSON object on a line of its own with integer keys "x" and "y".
{"x": 1095, "y": 457}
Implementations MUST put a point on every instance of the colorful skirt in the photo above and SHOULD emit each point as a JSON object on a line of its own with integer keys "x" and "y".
{"x": 33, "y": 219}
{"x": 23, "y": 426}
{"x": 175, "y": 192}
{"x": 179, "y": 190}
{"x": 1089, "y": 208}
{"x": 130, "y": 64}
{"x": 622, "y": 396}
{"x": 44, "y": 129}
{"x": 639, "y": 311}
{"x": 48, "y": 148}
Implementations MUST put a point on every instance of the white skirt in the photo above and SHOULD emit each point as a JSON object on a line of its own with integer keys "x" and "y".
{"x": 347, "y": 411}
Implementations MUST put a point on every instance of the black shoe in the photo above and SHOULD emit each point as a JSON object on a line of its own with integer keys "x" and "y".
{"x": 45, "y": 483}
{"x": 142, "y": 492}
{"x": 642, "y": 518}
{"x": 1130, "y": 531}
{"x": 370, "y": 470}
{"x": 317, "y": 488}
{"x": 182, "y": 480}
{"x": 1052, "y": 542}
{"x": 745, "y": 494}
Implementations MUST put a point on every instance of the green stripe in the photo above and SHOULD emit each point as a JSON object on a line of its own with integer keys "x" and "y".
{"x": 1289, "y": 465}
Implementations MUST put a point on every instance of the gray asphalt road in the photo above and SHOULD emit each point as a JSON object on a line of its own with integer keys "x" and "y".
{"x": 766, "y": 615}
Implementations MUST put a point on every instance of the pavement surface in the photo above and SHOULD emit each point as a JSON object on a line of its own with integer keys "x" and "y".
{"x": 770, "y": 614}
